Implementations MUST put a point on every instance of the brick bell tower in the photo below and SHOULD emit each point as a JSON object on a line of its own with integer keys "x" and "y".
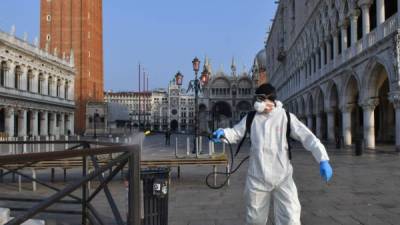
{"x": 76, "y": 25}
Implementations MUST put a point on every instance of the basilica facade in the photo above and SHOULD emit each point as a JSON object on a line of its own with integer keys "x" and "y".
{"x": 225, "y": 97}
{"x": 36, "y": 90}
{"x": 336, "y": 65}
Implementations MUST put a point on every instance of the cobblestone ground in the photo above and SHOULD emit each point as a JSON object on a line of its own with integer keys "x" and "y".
{"x": 364, "y": 190}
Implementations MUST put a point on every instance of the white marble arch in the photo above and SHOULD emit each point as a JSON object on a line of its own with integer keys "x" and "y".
{"x": 375, "y": 73}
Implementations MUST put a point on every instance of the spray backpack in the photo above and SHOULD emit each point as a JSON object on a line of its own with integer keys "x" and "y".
{"x": 249, "y": 121}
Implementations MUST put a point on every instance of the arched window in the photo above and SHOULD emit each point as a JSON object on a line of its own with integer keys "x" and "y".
{"x": 29, "y": 81}
{"x": 49, "y": 85}
{"x": 58, "y": 88}
{"x": 17, "y": 77}
{"x": 3, "y": 72}
{"x": 40, "y": 83}
{"x": 66, "y": 89}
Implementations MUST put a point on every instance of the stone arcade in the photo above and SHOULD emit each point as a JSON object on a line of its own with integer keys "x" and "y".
{"x": 335, "y": 64}
{"x": 36, "y": 90}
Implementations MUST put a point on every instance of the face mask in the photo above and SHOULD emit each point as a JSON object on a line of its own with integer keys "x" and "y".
{"x": 259, "y": 106}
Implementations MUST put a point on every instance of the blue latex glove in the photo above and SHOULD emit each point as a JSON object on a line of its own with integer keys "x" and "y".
{"x": 217, "y": 135}
{"x": 325, "y": 170}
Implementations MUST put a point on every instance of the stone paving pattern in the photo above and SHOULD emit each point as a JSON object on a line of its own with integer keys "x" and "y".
{"x": 364, "y": 190}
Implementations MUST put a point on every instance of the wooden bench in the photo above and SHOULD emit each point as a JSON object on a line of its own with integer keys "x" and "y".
{"x": 171, "y": 161}
{"x": 166, "y": 161}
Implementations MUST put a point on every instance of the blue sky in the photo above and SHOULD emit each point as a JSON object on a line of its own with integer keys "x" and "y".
{"x": 164, "y": 35}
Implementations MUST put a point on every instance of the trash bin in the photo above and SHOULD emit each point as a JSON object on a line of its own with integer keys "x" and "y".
{"x": 155, "y": 196}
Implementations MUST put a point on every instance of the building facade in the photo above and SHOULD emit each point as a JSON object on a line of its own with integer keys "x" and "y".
{"x": 76, "y": 25}
{"x": 225, "y": 98}
{"x": 138, "y": 103}
{"x": 104, "y": 118}
{"x": 36, "y": 90}
{"x": 159, "y": 110}
{"x": 335, "y": 64}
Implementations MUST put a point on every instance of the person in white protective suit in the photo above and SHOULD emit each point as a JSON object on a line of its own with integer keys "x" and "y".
{"x": 270, "y": 172}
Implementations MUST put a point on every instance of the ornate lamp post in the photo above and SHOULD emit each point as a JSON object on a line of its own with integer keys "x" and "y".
{"x": 196, "y": 86}
{"x": 178, "y": 78}
{"x": 204, "y": 77}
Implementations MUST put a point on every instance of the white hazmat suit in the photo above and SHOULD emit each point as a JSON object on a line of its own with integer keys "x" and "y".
{"x": 270, "y": 171}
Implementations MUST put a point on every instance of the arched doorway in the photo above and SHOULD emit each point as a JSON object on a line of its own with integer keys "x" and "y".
{"x": 242, "y": 108}
{"x": 310, "y": 114}
{"x": 379, "y": 113}
{"x": 321, "y": 121}
{"x": 385, "y": 130}
{"x": 221, "y": 115}
{"x": 352, "y": 113}
{"x": 334, "y": 117}
{"x": 174, "y": 125}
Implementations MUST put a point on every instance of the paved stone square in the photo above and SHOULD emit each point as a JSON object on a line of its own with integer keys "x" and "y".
{"x": 364, "y": 190}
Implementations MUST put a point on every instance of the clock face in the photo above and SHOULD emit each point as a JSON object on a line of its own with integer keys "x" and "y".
{"x": 174, "y": 112}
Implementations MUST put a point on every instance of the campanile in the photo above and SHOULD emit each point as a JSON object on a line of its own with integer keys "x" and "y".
{"x": 76, "y": 25}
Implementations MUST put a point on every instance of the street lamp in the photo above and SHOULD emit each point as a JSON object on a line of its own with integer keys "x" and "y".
{"x": 204, "y": 77}
{"x": 196, "y": 86}
{"x": 178, "y": 78}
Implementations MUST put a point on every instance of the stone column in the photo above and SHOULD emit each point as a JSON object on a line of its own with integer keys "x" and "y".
{"x": 395, "y": 99}
{"x": 53, "y": 123}
{"x": 62, "y": 89}
{"x": 343, "y": 30}
{"x": 318, "y": 125}
{"x": 398, "y": 127}
{"x": 346, "y": 124}
{"x": 328, "y": 50}
{"x": 309, "y": 121}
{"x": 331, "y": 125}
{"x": 62, "y": 126}
{"x": 45, "y": 84}
{"x": 71, "y": 123}
{"x": 10, "y": 75}
{"x": 23, "y": 78}
{"x": 9, "y": 121}
{"x": 380, "y": 12}
{"x": 365, "y": 15}
{"x": 369, "y": 123}
{"x": 35, "y": 82}
{"x": 44, "y": 123}
{"x": 353, "y": 23}
{"x": 335, "y": 43}
{"x": 34, "y": 123}
{"x": 71, "y": 90}
{"x": 398, "y": 6}
{"x": 22, "y": 123}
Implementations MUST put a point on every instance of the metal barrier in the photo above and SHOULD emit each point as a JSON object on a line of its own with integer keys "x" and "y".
{"x": 128, "y": 154}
